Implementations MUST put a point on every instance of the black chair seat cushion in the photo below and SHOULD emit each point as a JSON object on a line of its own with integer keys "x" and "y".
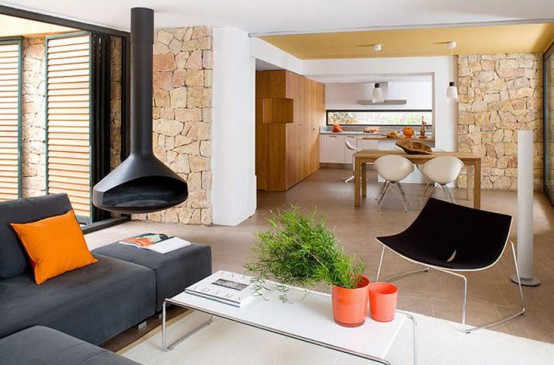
{"x": 93, "y": 303}
{"x": 453, "y": 237}
{"x": 174, "y": 270}
{"x": 45, "y": 346}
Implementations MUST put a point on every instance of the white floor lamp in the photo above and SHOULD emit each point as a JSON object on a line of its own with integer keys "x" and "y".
{"x": 525, "y": 209}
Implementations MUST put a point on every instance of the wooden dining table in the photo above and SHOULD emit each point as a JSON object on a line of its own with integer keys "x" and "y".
{"x": 364, "y": 157}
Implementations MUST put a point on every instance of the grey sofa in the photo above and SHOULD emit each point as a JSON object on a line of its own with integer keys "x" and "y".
{"x": 44, "y": 346}
{"x": 93, "y": 303}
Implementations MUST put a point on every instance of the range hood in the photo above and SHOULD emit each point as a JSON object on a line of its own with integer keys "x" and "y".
{"x": 141, "y": 183}
{"x": 385, "y": 101}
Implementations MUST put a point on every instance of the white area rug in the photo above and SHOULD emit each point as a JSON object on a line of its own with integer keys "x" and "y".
{"x": 439, "y": 342}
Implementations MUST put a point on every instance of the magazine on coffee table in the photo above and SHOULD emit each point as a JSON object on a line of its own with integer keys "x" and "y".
{"x": 157, "y": 242}
{"x": 225, "y": 287}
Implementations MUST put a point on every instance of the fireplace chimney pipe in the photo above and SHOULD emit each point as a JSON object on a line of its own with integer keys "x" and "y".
{"x": 142, "y": 45}
{"x": 141, "y": 183}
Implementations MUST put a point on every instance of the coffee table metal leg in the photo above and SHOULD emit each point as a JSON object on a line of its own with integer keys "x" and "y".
{"x": 182, "y": 338}
{"x": 414, "y": 326}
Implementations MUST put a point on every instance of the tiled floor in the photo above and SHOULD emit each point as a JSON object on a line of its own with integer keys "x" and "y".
{"x": 491, "y": 294}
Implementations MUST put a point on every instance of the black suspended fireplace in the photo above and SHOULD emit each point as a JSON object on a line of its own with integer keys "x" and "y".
{"x": 142, "y": 183}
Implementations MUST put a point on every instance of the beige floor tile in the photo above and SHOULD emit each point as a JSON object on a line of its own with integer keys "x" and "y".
{"x": 491, "y": 292}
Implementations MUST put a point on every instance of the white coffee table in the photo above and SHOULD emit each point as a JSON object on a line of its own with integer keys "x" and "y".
{"x": 307, "y": 318}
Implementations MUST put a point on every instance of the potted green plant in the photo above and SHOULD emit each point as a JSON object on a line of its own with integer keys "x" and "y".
{"x": 299, "y": 250}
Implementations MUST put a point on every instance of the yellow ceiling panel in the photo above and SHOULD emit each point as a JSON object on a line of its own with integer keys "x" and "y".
{"x": 518, "y": 38}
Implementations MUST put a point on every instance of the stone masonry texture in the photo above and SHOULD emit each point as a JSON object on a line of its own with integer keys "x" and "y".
{"x": 500, "y": 94}
{"x": 182, "y": 118}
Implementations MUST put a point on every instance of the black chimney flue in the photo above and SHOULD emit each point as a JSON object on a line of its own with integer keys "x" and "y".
{"x": 142, "y": 183}
{"x": 142, "y": 47}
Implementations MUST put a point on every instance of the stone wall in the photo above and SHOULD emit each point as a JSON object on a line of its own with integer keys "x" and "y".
{"x": 33, "y": 117}
{"x": 549, "y": 69}
{"x": 115, "y": 94}
{"x": 500, "y": 94}
{"x": 182, "y": 117}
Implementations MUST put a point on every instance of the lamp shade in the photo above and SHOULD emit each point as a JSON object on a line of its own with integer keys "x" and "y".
{"x": 452, "y": 91}
{"x": 377, "y": 94}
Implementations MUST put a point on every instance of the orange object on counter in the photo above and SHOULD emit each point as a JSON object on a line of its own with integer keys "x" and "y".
{"x": 408, "y": 132}
{"x": 337, "y": 128}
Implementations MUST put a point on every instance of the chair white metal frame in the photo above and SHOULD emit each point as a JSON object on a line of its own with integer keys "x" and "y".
{"x": 393, "y": 168}
{"x": 453, "y": 239}
{"x": 441, "y": 171}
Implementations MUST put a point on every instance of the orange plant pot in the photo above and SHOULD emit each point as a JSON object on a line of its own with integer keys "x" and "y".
{"x": 382, "y": 301}
{"x": 350, "y": 305}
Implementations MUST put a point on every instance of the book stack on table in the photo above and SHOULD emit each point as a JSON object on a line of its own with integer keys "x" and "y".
{"x": 225, "y": 287}
{"x": 157, "y": 242}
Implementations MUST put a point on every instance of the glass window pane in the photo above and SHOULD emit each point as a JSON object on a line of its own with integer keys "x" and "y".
{"x": 379, "y": 117}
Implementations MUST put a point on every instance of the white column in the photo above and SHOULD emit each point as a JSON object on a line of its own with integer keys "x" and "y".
{"x": 233, "y": 128}
{"x": 525, "y": 208}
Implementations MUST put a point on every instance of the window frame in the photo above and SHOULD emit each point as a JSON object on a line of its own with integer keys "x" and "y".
{"x": 376, "y": 111}
{"x": 19, "y": 42}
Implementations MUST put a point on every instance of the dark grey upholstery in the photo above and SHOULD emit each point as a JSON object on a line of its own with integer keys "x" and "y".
{"x": 45, "y": 346}
{"x": 13, "y": 258}
{"x": 93, "y": 303}
{"x": 175, "y": 270}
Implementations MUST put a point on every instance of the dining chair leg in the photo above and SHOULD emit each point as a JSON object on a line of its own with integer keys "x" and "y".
{"x": 348, "y": 179}
{"x": 403, "y": 197}
{"x": 381, "y": 190}
{"x": 383, "y": 194}
{"x": 427, "y": 188}
{"x": 449, "y": 194}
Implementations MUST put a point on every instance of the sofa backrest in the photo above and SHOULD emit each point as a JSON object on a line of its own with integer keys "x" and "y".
{"x": 13, "y": 258}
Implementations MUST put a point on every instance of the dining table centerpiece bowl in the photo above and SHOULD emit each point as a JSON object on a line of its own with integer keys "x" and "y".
{"x": 298, "y": 250}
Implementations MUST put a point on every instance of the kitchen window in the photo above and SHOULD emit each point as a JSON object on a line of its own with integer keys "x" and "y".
{"x": 379, "y": 117}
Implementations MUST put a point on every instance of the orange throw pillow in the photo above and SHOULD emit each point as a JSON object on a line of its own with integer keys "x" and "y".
{"x": 54, "y": 245}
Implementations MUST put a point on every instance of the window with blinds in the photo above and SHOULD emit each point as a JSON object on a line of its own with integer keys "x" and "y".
{"x": 68, "y": 161}
{"x": 10, "y": 119}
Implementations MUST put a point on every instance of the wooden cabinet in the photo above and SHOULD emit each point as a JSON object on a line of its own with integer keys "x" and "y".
{"x": 287, "y": 149}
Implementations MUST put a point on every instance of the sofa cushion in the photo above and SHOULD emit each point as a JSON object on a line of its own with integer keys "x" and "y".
{"x": 44, "y": 346}
{"x": 13, "y": 259}
{"x": 174, "y": 270}
{"x": 93, "y": 303}
{"x": 54, "y": 245}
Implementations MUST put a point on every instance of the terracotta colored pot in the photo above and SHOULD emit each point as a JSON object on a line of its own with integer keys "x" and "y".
{"x": 350, "y": 305}
{"x": 382, "y": 301}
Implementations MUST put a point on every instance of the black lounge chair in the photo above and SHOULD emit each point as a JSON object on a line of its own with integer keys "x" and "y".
{"x": 452, "y": 238}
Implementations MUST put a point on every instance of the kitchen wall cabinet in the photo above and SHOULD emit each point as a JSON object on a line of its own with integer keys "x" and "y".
{"x": 287, "y": 136}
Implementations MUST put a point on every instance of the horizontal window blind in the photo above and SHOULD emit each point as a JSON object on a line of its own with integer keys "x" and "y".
{"x": 10, "y": 119}
{"x": 68, "y": 120}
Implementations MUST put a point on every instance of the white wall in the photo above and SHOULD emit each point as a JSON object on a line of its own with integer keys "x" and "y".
{"x": 233, "y": 128}
{"x": 418, "y": 95}
{"x": 269, "y": 53}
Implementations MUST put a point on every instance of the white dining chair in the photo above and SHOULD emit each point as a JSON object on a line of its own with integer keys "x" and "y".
{"x": 393, "y": 169}
{"x": 441, "y": 171}
{"x": 351, "y": 147}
